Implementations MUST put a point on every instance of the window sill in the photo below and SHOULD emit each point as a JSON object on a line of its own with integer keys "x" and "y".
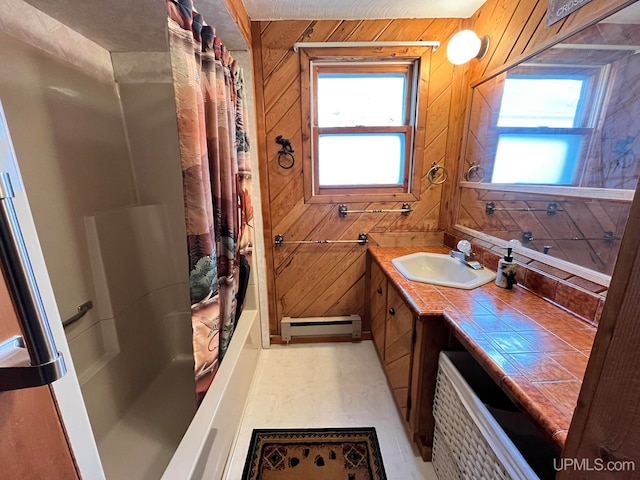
{"x": 362, "y": 198}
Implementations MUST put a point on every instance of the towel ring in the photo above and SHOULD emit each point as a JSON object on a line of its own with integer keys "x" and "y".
{"x": 474, "y": 171}
{"x": 286, "y": 160}
{"x": 431, "y": 174}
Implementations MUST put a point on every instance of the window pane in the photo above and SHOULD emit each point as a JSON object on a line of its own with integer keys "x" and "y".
{"x": 534, "y": 158}
{"x": 350, "y": 99}
{"x": 541, "y": 102}
{"x": 363, "y": 159}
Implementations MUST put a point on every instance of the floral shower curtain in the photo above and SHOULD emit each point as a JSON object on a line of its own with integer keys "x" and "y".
{"x": 214, "y": 152}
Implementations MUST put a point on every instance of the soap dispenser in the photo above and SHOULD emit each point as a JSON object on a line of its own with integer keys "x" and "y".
{"x": 506, "y": 275}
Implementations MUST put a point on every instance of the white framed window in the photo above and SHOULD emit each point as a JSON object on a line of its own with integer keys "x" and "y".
{"x": 361, "y": 116}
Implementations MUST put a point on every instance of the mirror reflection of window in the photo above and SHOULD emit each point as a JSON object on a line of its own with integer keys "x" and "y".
{"x": 543, "y": 127}
{"x": 542, "y": 101}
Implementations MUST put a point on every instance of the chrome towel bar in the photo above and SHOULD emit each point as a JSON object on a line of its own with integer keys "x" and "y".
{"x": 343, "y": 210}
{"x": 607, "y": 237}
{"x": 279, "y": 240}
{"x": 31, "y": 360}
{"x": 552, "y": 208}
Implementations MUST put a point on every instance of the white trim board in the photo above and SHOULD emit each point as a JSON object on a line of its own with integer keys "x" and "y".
{"x": 577, "y": 192}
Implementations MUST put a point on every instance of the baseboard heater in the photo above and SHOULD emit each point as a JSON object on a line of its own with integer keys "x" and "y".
{"x": 321, "y": 326}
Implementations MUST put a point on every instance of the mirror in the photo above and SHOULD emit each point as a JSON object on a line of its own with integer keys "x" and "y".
{"x": 552, "y": 146}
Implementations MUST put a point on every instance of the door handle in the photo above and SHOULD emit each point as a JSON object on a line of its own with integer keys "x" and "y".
{"x": 29, "y": 360}
{"x": 392, "y": 311}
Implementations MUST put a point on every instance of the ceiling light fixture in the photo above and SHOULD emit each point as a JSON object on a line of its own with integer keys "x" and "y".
{"x": 465, "y": 46}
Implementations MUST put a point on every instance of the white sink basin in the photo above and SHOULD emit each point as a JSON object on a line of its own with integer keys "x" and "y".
{"x": 441, "y": 269}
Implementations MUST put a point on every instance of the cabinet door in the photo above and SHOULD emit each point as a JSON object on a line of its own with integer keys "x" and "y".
{"x": 378, "y": 306}
{"x": 398, "y": 348}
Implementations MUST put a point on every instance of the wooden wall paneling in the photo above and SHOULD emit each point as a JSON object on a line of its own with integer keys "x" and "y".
{"x": 458, "y": 112}
{"x": 281, "y": 178}
{"x": 281, "y": 79}
{"x": 256, "y": 31}
{"x": 441, "y": 29}
{"x": 425, "y": 215}
{"x": 321, "y": 274}
{"x": 483, "y": 23}
{"x": 612, "y": 380}
{"x": 507, "y": 34}
{"x": 402, "y": 28}
{"x": 367, "y": 31}
{"x": 386, "y": 220}
{"x": 406, "y": 239}
{"x": 337, "y": 271}
{"x": 287, "y": 104}
{"x": 342, "y": 290}
{"x": 303, "y": 258}
{"x": 536, "y": 20}
{"x": 302, "y": 228}
{"x": 278, "y": 39}
{"x": 345, "y": 30}
{"x": 351, "y": 301}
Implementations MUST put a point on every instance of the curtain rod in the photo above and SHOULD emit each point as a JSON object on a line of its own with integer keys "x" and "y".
{"x": 299, "y": 45}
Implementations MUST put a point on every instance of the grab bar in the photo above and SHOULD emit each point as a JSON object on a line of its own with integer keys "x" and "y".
{"x": 82, "y": 311}
{"x": 30, "y": 360}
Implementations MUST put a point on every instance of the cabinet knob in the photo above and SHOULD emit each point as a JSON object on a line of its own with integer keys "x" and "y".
{"x": 379, "y": 290}
{"x": 392, "y": 311}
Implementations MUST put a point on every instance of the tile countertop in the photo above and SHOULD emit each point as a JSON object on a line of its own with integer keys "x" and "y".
{"x": 537, "y": 351}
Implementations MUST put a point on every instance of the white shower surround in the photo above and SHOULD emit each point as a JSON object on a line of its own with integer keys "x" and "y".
{"x": 359, "y": 9}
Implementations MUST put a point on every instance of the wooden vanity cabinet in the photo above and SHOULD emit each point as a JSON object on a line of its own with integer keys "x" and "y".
{"x": 377, "y": 306}
{"x": 392, "y": 329}
{"x": 398, "y": 349}
{"x": 408, "y": 347}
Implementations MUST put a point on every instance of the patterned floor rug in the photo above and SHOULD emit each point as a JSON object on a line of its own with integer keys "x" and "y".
{"x": 318, "y": 454}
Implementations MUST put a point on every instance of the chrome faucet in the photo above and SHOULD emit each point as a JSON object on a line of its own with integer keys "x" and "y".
{"x": 465, "y": 255}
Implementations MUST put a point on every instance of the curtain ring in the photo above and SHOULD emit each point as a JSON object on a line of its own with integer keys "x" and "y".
{"x": 431, "y": 174}
{"x": 474, "y": 171}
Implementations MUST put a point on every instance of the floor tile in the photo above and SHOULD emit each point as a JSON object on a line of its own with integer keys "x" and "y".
{"x": 327, "y": 385}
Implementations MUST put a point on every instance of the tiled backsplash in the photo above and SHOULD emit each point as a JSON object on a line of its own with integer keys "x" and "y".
{"x": 576, "y": 294}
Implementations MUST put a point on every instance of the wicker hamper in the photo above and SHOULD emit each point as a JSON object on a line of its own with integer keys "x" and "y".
{"x": 469, "y": 444}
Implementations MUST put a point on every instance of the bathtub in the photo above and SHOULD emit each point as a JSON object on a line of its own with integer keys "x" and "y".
{"x": 204, "y": 449}
{"x": 134, "y": 356}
